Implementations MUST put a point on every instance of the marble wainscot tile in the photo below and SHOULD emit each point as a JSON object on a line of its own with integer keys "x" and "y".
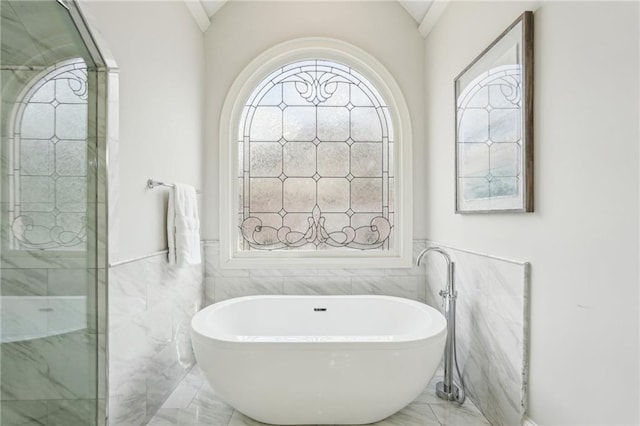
{"x": 23, "y": 282}
{"x": 150, "y": 346}
{"x": 490, "y": 328}
{"x": 406, "y": 287}
{"x": 45, "y": 368}
{"x": 23, "y": 413}
{"x": 317, "y": 285}
{"x": 209, "y": 291}
{"x": 230, "y": 287}
{"x": 127, "y": 293}
{"x": 71, "y": 412}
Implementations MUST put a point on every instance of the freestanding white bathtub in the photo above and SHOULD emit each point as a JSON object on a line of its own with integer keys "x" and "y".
{"x": 318, "y": 359}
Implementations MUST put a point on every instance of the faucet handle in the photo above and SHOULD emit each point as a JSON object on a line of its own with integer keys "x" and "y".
{"x": 444, "y": 294}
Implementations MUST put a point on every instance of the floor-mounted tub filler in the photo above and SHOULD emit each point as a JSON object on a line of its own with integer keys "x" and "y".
{"x": 318, "y": 359}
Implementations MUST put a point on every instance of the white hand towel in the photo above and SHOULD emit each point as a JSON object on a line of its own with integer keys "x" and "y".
{"x": 183, "y": 226}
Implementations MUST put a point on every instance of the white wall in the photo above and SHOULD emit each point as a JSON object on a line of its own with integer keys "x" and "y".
{"x": 582, "y": 239}
{"x": 242, "y": 30}
{"x": 159, "y": 50}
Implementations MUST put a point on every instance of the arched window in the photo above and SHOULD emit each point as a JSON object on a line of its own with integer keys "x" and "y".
{"x": 316, "y": 151}
{"x": 48, "y": 161}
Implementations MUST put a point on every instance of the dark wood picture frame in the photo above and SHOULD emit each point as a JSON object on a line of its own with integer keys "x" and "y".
{"x": 494, "y": 125}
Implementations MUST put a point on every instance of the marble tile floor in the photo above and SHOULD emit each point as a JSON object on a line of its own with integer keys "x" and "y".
{"x": 194, "y": 403}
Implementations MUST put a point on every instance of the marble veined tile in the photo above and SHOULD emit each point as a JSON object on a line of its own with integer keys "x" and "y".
{"x": 490, "y": 329}
{"x": 412, "y": 415}
{"x": 452, "y": 414}
{"x": 46, "y": 368}
{"x": 406, "y": 287}
{"x": 23, "y": 413}
{"x": 230, "y": 287}
{"x": 24, "y": 282}
{"x": 165, "y": 417}
{"x": 317, "y": 285}
{"x": 239, "y": 419}
{"x": 72, "y": 412}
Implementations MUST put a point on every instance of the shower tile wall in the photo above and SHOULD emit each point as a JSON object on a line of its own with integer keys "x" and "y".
{"x": 491, "y": 329}
{"x": 150, "y": 308}
{"x": 222, "y": 284}
{"x": 38, "y": 374}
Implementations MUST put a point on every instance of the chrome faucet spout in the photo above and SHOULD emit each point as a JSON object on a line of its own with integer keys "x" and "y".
{"x": 447, "y": 389}
{"x": 450, "y": 289}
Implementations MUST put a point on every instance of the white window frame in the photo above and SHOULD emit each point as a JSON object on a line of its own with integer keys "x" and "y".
{"x": 263, "y": 65}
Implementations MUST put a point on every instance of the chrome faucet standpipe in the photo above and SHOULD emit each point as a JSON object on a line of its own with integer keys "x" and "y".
{"x": 447, "y": 389}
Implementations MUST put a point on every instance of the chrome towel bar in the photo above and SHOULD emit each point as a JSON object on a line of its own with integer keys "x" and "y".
{"x": 152, "y": 183}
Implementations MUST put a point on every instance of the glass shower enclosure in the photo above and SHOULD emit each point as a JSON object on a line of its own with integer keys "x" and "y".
{"x": 52, "y": 217}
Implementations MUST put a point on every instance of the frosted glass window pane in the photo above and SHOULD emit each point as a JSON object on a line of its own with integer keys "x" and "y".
{"x": 266, "y": 195}
{"x": 333, "y": 159}
{"x": 36, "y": 157}
{"x": 71, "y": 121}
{"x": 298, "y": 222}
{"x": 473, "y": 159}
{"x": 272, "y": 97}
{"x": 266, "y": 159}
{"x": 474, "y": 126}
{"x": 37, "y": 121}
{"x": 366, "y": 195}
{"x": 37, "y": 193}
{"x": 505, "y": 159}
{"x": 360, "y": 220}
{"x": 299, "y": 194}
{"x": 333, "y": 194}
{"x": 71, "y": 194}
{"x": 45, "y": 93}
{"x": 71, "y": 91}
{"x": 273, "y": 220}
{"x": 266, "y": 124}
{"x": 335, "y": 222}
{"x": 71, "y": 158}
{"x": 333, "y": 124}
{"x": 504, "y": 125}
{"x": 359, "y": 98}
{"x": 365, "y": 125}
{"x": 291, "y": 95}
{"x": 391, "y": 160}
{"x": 299, "y": 123}
{"x": 299, "y": 159}
{"x": 366, "y": 159}
{"x": 340, "y": 95}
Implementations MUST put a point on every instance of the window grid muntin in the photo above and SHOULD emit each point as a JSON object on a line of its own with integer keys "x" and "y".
{"x": 317, "y": 71}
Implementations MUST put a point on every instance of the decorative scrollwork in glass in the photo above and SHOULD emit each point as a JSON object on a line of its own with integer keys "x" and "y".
{"x": 315, "y": 162}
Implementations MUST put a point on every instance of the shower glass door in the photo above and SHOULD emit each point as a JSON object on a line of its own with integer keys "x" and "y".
{"x": 49, "y": 329}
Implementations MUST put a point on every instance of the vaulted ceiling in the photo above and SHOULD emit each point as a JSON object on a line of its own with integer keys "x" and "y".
{"x": 424, "y": 12}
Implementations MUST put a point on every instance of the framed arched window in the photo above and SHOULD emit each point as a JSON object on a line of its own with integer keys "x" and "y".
{"x": 314, "y": 149}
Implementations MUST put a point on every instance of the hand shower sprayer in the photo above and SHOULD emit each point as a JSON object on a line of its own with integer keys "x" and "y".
{"x": 447, "y": 389}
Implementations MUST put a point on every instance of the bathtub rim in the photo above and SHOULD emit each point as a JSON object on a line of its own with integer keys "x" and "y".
{"x": 199, "y": 327}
